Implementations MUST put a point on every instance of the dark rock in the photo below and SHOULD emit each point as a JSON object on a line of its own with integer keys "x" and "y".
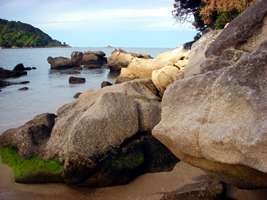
{"x": 76, "y": 96}
{"x": 8, "y": 83}
{"x": 76, "y": 58}
{"x": 19, "y": 67}
{"x": 34, "y": 68}
{"x": 94, "y": 59}
{"x": 23, "y": 82}
{"x": 29, "y": 138}
{"x": 203, "y": 190}
{"x": 5, "y": 73}
{"x": 76, "y": 80}
{"x": 23, "y": 89}
{"x": 59, "y": 63}
{"x": 105, "y": 84}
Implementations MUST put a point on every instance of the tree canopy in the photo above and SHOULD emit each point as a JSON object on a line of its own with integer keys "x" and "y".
{"x": 209, "y": 13}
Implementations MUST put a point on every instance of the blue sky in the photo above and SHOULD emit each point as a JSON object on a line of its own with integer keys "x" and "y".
{"x": 97, "y": 23}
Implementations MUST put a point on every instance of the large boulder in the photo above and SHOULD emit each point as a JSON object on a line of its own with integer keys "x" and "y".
{"x": 105, "y": 135}
{"x": 5, "y": 73}
{"x": 217, "y": 121}
{"x": 103, "y": 138}
{"x": 76, "y": 58}
{"x": 216, "y": 118}
{"x": 143, "y": 68}
{"x": 76, "y": 80}
{"x": 59, "y": 63}
{"x": 164, "y": 77}
{"x": 94, "y": 59}
{"x": 31, "y": 137}
{"x": 121, "y": 59}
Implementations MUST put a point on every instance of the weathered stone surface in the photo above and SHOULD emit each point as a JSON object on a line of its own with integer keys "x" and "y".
{"x": 120, "y": 59}
{"x": 30, "y": 138}
{"x": 105, "y": 84}
{"x": 217, "y": 120}
{"x": 197, "y": 54}
{"x": 76, "y": 58}
{"x": 164, "y": 77}
{"x": 143, "y": 68}
{"x": 238, "y": 32}
{"x": 103, "y": 138}
{"x": 76, "y": 80}
{"x": 5, "y": 73}
{"x": 94, "y": 59}
{"x": 59, "y": 63}
{"x": 207, "y": 189}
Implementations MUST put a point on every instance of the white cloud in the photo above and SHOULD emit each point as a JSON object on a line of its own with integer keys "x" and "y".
{"x": 158, "y": 18}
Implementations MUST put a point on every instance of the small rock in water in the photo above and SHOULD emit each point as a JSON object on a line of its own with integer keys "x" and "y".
{"x": 76, "y": 80}
{"x": 23, "y": 89}
{"x": 105, "y": 84}
{"x": 33, "y": 68}
{"x": 76, "y": 96}
{"x": 24, "y": 82}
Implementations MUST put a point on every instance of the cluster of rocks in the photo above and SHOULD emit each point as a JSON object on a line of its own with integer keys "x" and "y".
{"x": 213, "y": 115}
{"x": 18, "y": 71}
{"x": 89, "y": 59}
{"x": 163, "y": 69}
{"x": 216, "y": 117}
{"x": 103, "y": 138}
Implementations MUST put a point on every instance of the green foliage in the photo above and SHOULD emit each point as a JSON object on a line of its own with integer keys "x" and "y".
{"x": 223, "y": 18}
{"x": 28, "y": 169}
{"x": 18, "y": 34}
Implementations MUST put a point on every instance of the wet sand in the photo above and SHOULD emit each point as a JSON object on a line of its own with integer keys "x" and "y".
{"x": 146, "y": 187}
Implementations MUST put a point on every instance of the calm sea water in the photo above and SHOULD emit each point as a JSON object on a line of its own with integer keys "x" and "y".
{"x": 47, "y": 90}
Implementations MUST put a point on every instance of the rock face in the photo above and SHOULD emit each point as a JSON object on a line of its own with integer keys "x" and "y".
{"x": 59, "y": 63}
{"x": 94, "y": 59}
{"x": 205, "y": 189}
{"x": 98, "y": 141}
{"x": 30, "y": 138}
{"x": 120, "y": 59}
{"x": 143, "y": 68}
{"x": 103, "y": 138}
{"x": 89, "y": 59}
{"x": 164, "y": 77}
{"x": 105, "y": 84}
{"x": 76, "y": 80}
{"x": 5, "y": 73}
{"x": 217, "y": 120}
{"x": 20, "y": 67}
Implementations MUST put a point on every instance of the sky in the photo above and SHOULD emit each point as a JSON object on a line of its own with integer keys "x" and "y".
{"x": 98, "y": 23}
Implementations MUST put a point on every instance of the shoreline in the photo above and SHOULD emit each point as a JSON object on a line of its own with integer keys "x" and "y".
{"x": 158, "y": 183}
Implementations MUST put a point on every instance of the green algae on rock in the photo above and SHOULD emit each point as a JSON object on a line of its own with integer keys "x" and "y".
{"x": 33, "y": 169}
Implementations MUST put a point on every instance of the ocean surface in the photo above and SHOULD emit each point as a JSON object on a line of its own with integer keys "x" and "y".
{"x": 48, "y": 90}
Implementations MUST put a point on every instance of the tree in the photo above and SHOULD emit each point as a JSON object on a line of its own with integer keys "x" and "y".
{"x": 209, "y": 13}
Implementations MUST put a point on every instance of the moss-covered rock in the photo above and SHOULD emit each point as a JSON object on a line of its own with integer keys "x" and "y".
{"x": 33, "y": 169}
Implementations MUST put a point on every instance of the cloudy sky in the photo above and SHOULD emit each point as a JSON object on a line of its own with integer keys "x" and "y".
{"x": 97, "y": 23}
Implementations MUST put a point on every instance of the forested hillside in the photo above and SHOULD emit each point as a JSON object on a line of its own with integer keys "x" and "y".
{"x": 18, "y": 34}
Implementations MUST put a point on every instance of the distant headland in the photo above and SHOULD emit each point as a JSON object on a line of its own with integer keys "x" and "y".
{"x": 21, "y": 35}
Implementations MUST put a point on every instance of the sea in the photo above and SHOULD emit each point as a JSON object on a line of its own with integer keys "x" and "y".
{"x": 48, "y": 90}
